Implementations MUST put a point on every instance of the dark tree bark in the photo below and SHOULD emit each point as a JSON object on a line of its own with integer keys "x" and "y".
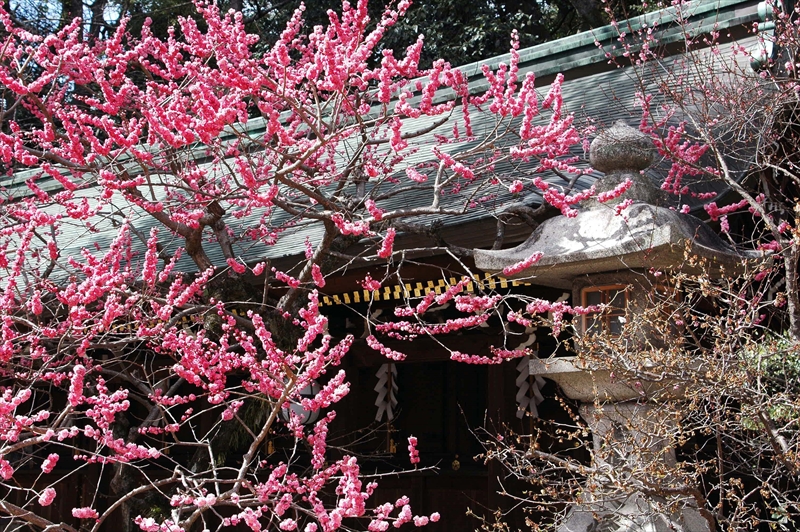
{"x": 97, "y": 22}
{"x": 75, "y": 10}
{"x": 590, "y": 11}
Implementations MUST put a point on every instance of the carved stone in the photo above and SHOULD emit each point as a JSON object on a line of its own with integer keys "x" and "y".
{"x": 599, "y": 239}
{"x": 621, "y": 148}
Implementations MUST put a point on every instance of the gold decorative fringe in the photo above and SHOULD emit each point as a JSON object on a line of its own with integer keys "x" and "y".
{"x": 386, "y": 293}
{"x": 398, "y": 292}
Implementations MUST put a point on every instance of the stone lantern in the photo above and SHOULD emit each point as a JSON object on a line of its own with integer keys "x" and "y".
{"x": 610, "y": 258}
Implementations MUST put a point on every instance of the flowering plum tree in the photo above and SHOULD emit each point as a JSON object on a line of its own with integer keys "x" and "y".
{"x": 155, "y": 178}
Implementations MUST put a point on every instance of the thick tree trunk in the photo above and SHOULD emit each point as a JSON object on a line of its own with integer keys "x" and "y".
{"x": 75, "y": 9}
{"x": 590, "y": 11}
{"x": 122, "y": 482}
{"x": 97, "y": 21}
{"x": 790, "y": 261}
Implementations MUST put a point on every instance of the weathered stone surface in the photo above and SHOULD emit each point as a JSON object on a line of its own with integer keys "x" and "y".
{"x": 621, "y": 148}
{"x": 585, "y": 384}
{"x": 634, "y": 514}
{"x": 599, "y": 240}
{"x": 579, "y": 521}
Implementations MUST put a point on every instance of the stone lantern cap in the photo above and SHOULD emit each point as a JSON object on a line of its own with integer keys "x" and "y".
{"x": 582, "y": 382}
{"x": 644, "y": 235}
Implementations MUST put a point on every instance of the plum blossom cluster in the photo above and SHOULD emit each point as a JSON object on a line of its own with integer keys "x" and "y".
{"x": 524, "y": 264}
{"x": 387, "y": 245}
{"x": 368, "y": 283}
{"x": 559, "y": 200}
{"x": 555, "y": 311}
{"x": 47, "y": 497}
{"x": 498, "y": 356}
{"x": 383, "y": 517}
{"x": 388, "y": 352}
{"x": 413, "y": 453}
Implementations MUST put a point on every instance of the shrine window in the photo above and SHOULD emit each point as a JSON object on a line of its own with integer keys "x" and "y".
{"x": 611, "y": 320}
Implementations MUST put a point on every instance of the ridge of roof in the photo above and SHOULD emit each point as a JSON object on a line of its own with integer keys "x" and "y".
{"x": 700, "y": 15}
{"x": 581, "y": 50}
{"x": 547, "y": 59}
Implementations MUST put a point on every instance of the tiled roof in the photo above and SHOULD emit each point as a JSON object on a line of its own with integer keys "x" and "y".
{"x": 593, "y": 90}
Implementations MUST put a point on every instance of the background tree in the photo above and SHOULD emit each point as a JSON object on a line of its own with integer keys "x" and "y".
{"x": 461, "y": 32}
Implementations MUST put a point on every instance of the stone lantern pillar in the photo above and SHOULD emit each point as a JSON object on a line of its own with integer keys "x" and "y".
{"x": 607, "y": 257}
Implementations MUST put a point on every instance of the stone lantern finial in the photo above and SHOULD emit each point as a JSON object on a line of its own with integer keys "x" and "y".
{"x": 622, "y": 152}
{"x": 621, "y": 149}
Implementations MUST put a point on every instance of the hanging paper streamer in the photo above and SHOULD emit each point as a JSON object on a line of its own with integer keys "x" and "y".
{"x": 528, "y": 390}
{"x": 387, "y": 391}
{"x": 529, "y": 386}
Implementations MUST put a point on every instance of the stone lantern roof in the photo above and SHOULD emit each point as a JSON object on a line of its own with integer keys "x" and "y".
{"x": 643, "y": 235}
